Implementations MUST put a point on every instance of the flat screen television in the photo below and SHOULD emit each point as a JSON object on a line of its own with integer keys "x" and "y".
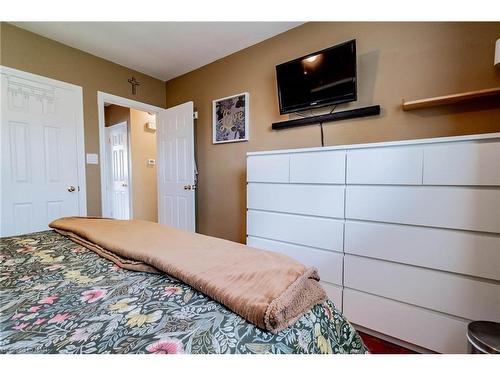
{"x": 319, "y": 79}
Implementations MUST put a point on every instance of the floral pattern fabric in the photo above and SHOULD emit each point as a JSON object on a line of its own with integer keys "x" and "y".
{"x": 59, "y": 297}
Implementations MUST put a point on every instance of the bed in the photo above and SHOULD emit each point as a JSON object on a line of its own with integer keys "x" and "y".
{"x": 59, "y": 297}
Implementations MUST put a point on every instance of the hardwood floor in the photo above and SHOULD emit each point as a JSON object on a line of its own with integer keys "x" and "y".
{"x": 379, "y": 346}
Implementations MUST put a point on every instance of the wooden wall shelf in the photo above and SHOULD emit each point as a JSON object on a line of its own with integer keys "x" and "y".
{"x": 449, "y": 99}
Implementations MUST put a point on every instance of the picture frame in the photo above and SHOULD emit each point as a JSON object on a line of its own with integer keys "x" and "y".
{"x": 230, "y": 119}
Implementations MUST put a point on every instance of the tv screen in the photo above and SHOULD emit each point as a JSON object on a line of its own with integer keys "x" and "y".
{"x": 319, "y": 79}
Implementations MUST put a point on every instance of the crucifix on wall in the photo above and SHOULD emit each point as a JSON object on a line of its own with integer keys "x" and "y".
{"x": 134, "y": 85}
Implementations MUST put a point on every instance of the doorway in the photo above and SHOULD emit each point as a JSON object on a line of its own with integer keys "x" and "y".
{"x": 128, "y": 159}
{"x": 161, "y": 174}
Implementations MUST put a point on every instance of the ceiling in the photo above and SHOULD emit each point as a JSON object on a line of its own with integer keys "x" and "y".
{"x": 163, "y": 50}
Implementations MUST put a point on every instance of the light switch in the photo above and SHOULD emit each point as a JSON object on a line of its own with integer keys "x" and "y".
{"x": 151, "y": 161}
{"x": 92, "y": 159}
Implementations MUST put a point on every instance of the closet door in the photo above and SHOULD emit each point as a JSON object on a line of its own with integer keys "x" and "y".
{"x": 42, "y": 152}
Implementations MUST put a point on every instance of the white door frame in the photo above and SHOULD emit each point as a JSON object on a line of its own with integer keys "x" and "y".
{"x": 80, "y": 136}
{"x": 102, "y": 98}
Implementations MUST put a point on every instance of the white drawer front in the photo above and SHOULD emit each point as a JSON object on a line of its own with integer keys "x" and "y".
{"x": 448, "y": 207}
{"x": 268, "y": 168}
{"x": 428, "y": 329}
{"x": 391, "y": 165}
{"x": 467, "y": 163}
{"x": 300, "y": 230}
{"x": 470, "y": 253}
{"x": 328, "y": 263}
{"x": 317, "y": 200}
{"x": 440, "y": 291}
{"x": 334, "y": 293}
{"x": 318, "y": 167}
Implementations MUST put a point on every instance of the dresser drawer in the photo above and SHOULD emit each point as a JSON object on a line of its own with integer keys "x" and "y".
{"x": 445, "y": 292}
{"x": 428, "y": 329}
{"x": 466, "y": 208}
{"x": 464, "y": 163}
{"x": 328, "y": 263}
{"x": 268, "y": 168}
{"x": 323, "y": 167}
{"x": 300, "y": 230}
{"x": 470, "y": 253}
{"x": 385, "y": 165}
{"x": 317, "y": 200}
{"x": 334, "y": 293}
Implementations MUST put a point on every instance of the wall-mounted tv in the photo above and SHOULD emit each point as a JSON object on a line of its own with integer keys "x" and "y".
{"x": 319, "y": 79}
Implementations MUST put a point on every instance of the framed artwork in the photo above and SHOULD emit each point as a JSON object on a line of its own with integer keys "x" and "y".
{"x": 230, "y": 119}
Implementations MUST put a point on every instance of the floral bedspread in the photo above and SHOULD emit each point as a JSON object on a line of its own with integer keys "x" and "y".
{"x": 58, "y": 297}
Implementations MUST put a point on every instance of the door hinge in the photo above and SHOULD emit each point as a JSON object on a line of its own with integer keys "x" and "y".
{"x": 195, "y": 115}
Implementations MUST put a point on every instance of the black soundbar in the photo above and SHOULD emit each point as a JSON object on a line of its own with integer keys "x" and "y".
{"x": 337, "y": 116}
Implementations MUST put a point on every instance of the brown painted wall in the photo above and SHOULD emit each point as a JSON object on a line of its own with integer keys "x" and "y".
{"x": 27, "y": 51}
{"x": 396, "y": 61}
{"x": 114, "y": 114}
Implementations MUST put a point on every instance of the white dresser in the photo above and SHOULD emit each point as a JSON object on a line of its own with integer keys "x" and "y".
{"x": 405, "y": 235}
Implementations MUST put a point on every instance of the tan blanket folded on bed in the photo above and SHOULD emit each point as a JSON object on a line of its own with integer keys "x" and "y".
{"x": 268, "y": 289}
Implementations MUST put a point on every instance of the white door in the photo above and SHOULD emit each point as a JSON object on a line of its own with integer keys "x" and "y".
{"x": 118, "y": 169}
{"x": 175, "y": 163}
{"x": 41, "y": 150}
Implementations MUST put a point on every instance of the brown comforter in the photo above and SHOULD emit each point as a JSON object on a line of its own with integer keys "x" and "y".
{"x": 268, "y": 289}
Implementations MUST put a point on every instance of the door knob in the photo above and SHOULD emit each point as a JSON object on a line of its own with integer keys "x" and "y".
{"x": 71, "y": 188}
{"x": 187, "y": 187}
{"x": 124, "y": 184}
